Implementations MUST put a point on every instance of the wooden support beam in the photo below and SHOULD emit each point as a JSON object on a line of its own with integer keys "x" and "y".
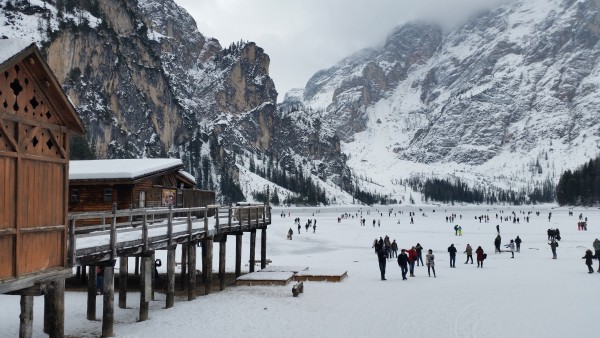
{"x": 108, "y": 306}
{"x": 208, "y": 243}
{"x": 192, "y": 270}
{"x": 55, "y": 296}
{"x": 123, "y": 271}
{"x": 91, "y": 294}
{"x": 136, "y": 270}
{"x": 154, "y": 276}
{"x": 252, "y": 249}
{"x": 47, "y": 311}
{"x": 183, "y": 275}
{"x": 203, "y": 274}
{"x": 222, "y": 251}
{"x": 145, "y": 286}
{"x": 170, "y": 299}
{"x": 26, "y": 317}
{"x": 83, "y": 274}
{"x": 238, "y": 255}
{"x": 263, "y": 248}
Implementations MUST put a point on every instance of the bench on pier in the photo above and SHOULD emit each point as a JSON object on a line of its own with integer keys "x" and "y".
{"x": 298, "y": 289}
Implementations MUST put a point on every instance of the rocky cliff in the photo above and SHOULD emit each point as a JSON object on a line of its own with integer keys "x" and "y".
{"x": 508, "y": 98}
{"x": 147, "y": 83}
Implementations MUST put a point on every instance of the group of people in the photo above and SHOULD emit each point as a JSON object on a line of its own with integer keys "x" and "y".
{"x": 406, "y": 259}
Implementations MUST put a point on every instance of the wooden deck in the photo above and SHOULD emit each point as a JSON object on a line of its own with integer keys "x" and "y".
{"x": 156, "y": 229}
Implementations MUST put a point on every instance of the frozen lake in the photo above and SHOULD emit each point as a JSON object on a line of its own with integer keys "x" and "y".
{"x": 528, "y": 296}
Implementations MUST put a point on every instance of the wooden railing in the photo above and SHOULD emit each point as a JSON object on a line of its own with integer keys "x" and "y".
{"x": 155, "y": 228}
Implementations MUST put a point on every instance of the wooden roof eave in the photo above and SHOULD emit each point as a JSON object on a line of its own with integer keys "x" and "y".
{"x": 115, "y": 181}
{"x": 66, "y": 111}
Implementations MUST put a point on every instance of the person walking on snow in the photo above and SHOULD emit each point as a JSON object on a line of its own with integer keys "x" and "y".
{"x": 299, "y": 227}
{"x": 314, "y": 228}
{"x": 290, "y": 233}
{"x": 469, "y": 252}
{"x": 456, "y": 230}
{"x": 480, "y": 256}
{"x": 394, "y": 249}
{"x": 597, "y": 249}
{"x": 553, "y": 246}
{"x": 497, "y": 242}
{"x": 403, "y": 263}
{"x": 419, "y": 249}
{"x": 412, "y": 257}
{"x": 498, "y": 228}
{"x": 452, "y": 250}
{"x": 511, "y": 248}
{"x": 459, "y": 230}
{"x": 381, "y": 257}
{"x": 588, "y": 260}
{"x": 518, "y": 243}
{"x": 429, "y": 258}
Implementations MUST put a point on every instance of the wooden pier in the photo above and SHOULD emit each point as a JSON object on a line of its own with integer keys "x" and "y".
{"x": 148, "y": 230}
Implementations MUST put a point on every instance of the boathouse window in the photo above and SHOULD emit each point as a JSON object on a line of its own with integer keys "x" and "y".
{"x": 74, "y": 196}
{"x": 108, "y": 195}
{"x": 142, "y": 199}
{"x": 180, "y": 198}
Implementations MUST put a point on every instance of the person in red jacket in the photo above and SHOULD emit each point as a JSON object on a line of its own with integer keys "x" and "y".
{"x": 480, "y": 257}
{"x": 412, "y": 258}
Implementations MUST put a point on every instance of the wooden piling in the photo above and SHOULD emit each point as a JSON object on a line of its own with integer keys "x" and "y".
{"x": 252, "y": 249}
{"x": 145, "y": 286}
{"x": 91, "y": 295}
{"x": 238, "y": 255}
{"x": 263, "y": 247}
{"x": 123, "y": 271}
{"x": 192, "y": 271}
{"x": 55, "y": 296}
{"x": 84, "y": 274}
{"x": 222, "y": 251}
{"x": 49, "y": 290}
{"x": 170, "y": 297}
{"x": 183, "y": 275}
{"x": 208, "y": 243}
{"x": 136, "y": 269}
{"x": 108, "y": 306}
{"x": 26, "y": 317}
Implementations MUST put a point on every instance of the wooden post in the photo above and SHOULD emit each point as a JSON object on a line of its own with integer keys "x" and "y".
{"x": 47, "y": 307}
{"x": 83, "y": 274}
{"x": 26, "y": 317}
{"x": 203, "y": 274}
{"x": 154, "y": 278}
{"x": 91, "y": 297}
{"x": 252, "y": 249}
{"x": 191, "y": 253}
{"x": 72, "y": 248}
{"x": 191, "y": 270}
{"x": 183, "y": 275}
{"x": 222, "y": 251}
{"x": 108, "y": 306}
{"x": 145, "y": 286}
{"x": 263, "y": 247}
{"x": 238, "y": 255}
{"x": 136, "y": 269}
{"x": 123, "y": 270}
{"x": 170, "y": 299}
{"x": 56, "y": 316}
{"x": 208, "y": 243}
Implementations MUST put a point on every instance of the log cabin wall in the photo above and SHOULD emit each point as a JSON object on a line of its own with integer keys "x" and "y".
{"x": 33, "y": 173}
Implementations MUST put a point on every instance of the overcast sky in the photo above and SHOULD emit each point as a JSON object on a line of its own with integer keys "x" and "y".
{"x": 304, "y": 36}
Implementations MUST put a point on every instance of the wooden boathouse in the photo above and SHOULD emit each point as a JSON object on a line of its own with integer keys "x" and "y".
{"x": 36, "y": 120}
{"x": 95, "y": 185}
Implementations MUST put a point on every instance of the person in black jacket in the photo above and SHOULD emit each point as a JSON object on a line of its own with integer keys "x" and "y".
{"x": 419, "y": 249}
{"x": 452, "y": 250}
{"x": 403, "y": 263}
{"x": 588, "y": 260}
{"x": 518, "y": 243}
{"x": 497, "y": 243}
{"x": 382, "y": 256}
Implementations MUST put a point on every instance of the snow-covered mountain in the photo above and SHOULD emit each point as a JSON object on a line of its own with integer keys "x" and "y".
{"x": 148, "y": 84}
{"x": 509, "y": 98}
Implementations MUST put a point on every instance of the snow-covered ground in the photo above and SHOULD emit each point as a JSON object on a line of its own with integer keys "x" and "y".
{"x": 529, "y": 296}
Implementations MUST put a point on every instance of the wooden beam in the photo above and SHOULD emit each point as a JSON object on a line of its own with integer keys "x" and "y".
{"x": 91, "y": 294}
{"x": 123, "y": 272}
{"x": 263, "y": 248}
{"x": 61, "y": 150}
{"x": 222, "y": 251}
{"x": 252, "y": 249}
{"x": 10, "y": 139}
{"x": 108, "y": 306}
{"x": 26, "y": 317}
{"x": 56, "y": 315}
{"x": 27, "y": 138}
{"x": 183, "y": 275}
{"x": 170, "y": 297}
{"x": 191, "y": 251}
{"x": 208, "y": 243}
{"x": 145, "y": 286}
{"x": 238, "y": 255}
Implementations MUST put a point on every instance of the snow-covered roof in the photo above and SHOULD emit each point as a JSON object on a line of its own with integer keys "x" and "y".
{"x": 10, "y": 47}
{"x": 188, "y": 176}
{"x": 120, "y": 169}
